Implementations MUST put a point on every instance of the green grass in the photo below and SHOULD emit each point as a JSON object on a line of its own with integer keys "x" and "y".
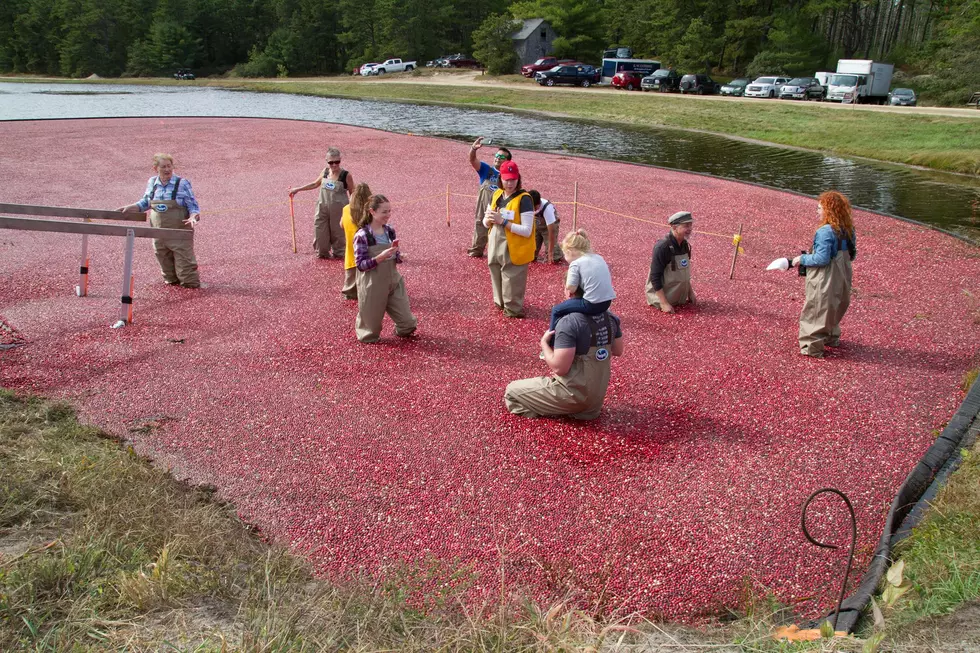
{"x": 940, "y": 142}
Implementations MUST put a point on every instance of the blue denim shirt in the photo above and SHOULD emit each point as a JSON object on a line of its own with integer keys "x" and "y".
{"x": 826, "y": 244}
{"x": 157, "y": 191}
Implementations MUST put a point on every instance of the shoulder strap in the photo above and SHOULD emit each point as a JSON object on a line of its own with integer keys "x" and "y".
{"x": 343, "y": 177}
{"x": 173, "y": 195}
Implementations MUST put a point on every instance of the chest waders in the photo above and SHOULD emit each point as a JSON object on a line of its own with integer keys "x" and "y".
{"x": 176, "y": 257}
{"x": 328, "y": 234}
{"x": 487, "y": 189}
{"x": 541, "y": 234}
{"x": 828, "y": 294}
{"x": 579, "y": 393}
{"x": 508, "y": 279}
{"x": 677, "y": 282}
{"x": 381, "y": 290}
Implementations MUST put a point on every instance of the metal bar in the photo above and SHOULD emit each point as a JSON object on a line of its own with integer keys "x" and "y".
{"x": 82, "y": 288}
{"x": 448, "y": 224}
{"x": 575, "y": 208}
{"x": 66, "y": 212}
{"x": 292, "y": 221}
{"x": 126, "y": 294}
{"x": 32, "y": 224}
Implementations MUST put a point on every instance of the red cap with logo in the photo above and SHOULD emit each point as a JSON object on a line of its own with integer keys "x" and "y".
{"x": 509, "y": 170}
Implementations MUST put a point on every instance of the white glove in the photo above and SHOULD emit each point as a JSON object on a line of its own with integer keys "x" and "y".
{"x": 779, "y": 264}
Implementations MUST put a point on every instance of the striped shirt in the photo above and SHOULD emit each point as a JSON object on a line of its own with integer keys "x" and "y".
{"x": 363, "y": 239}
{"x": 157, "y": 191}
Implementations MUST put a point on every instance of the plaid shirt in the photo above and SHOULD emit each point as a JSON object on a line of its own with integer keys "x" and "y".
{"x": 157, "y": 191}
{"x": 364, "y": 239}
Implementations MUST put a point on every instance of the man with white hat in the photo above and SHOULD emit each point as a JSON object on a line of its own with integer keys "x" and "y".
{"x": 669, "y": 284}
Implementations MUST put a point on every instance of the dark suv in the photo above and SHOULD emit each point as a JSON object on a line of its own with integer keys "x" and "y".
{"x": 698, "y": 84}
{"x": 578, "y": 75}
{"x": 664, "y": 79}
{"x": 801, "y": 88}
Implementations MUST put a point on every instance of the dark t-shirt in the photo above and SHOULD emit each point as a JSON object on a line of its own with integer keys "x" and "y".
{"x": 573, "y": 331}
{"x": 527, "y": 204}
{"x": 662, "y": 256}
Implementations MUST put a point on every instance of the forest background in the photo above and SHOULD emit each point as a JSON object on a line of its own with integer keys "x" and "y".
{"x": 935, "y": 44}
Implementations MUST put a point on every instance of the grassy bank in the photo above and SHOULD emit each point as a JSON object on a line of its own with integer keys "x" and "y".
{"x": 101, "y": 551}
{"x": 940, "y": 142}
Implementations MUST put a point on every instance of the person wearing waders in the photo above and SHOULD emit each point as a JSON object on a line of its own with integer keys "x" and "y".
{"x": 580, "y": 367}
{"x": 335, "y": 186}
{"x": 380, "y": 288}
{"x": 828, "y": 275}
{"x": 546, "y": 230}
{"x": 489, "y": 183}
{"x": 510, "y": 221}
{"x": 171, "y": 203}
{"x": 358, "y": 199}
{"x": 669, "y": 283}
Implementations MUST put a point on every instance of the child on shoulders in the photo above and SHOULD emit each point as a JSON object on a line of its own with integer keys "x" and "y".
{"x": 588, "y": 284}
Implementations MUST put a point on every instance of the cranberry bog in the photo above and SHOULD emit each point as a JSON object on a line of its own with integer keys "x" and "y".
{"x": 398, "y": 460}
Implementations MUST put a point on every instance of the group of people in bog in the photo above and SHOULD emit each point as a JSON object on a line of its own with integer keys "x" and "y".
{"x": 514, "y": 226}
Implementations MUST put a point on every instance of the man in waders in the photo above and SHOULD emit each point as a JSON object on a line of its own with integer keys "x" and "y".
{"x": 580, "y": 364}
{"x": 669, "y": 283}
{"x": 171, "y": 203}
{"x": 546, "y": 223}
{"x": 489, "y": 183}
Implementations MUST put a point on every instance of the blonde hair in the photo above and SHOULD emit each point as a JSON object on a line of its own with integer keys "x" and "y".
{"x": 358, "y": 202}
{"x": 577, "y": 240}
{"x": 160, "y": 158}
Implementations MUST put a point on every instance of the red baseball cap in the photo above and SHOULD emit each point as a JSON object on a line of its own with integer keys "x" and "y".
{"x": 509, "y": 170}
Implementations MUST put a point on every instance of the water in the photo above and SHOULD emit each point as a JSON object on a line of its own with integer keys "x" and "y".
{"x": 951, "y": 202}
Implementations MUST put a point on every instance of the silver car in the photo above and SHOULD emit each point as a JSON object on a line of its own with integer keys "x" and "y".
{"x": 902, "y": 97}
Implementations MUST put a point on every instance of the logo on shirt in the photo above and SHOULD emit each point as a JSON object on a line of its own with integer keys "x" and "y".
{"x": 329, "y": 184}
{"x": 684, "y": 262}
{"x": 601, "y": 354}
{"x": 160, "y": 208}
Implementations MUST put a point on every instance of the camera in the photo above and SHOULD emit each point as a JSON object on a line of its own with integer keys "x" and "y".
{"x": 801, "y": 269}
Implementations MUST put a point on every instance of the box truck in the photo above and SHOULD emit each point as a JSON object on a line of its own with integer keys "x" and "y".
{"x": 861, "y": 81}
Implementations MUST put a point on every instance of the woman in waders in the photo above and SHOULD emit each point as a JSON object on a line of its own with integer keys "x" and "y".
{"x": 669, "y": 283}
{"x": 358, "y": 199}
{"x": 335, "y": 185}
{"x": 828, "y": 275}
{"x": 510, "y": 220}
{"x": 380, "y": 288}
{"x": 171, "y": 203}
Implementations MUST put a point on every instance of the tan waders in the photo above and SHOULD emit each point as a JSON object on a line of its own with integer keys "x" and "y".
{"x": 176, "y": 257}
{"x": 487, "y": 189}
{"x": 350, "y": 283}
{"x": 541, "y": 237}
{"x": 828, "y": 294}
{"x": 677, "y": 282}
{"x": 509, "y": 281}
{"x": 328, "y": 234}
{"x": 381, "y": 290}
{"x": 579, "y": 393}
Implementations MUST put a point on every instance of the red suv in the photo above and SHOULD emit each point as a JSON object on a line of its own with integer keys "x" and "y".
{"x": 628, "y": 80}
{"x": 545, "y": 63}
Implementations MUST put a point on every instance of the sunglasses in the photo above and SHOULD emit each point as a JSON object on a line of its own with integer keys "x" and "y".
{"x": 333, "y": 163}
{"x": 500, "y": 156}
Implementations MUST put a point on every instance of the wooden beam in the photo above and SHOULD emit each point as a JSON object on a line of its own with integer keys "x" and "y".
{"x": 66, "y": 212}
{"x": 31, "y": 224}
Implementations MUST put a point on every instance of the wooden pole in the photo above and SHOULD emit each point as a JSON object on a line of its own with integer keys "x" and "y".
{"x": 93, "y": 228}
{"x": 575, "y": 208}
{"x": 292, "y": 221}
{"x": 82, "y": 288}
{"x": 738, "y": 242}
{"x": 65, "y": 212}
{"x": 447, "y": 205}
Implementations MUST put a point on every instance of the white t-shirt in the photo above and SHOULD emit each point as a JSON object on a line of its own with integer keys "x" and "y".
{"x": 549, "y": 213}
{"x": 590, "y": 273}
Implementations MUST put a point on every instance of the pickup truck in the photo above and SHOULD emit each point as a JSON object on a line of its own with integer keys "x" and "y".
{"x": 545, "y": 63}
{"x": 393, "y": 66}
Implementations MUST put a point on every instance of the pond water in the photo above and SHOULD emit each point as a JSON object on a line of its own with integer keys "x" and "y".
{"x": 947, "y": 201}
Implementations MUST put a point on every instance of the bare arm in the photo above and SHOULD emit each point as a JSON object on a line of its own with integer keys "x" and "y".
{"x": 618, "y": 346}
{"x": 348, "y": 185}
{"x": 310, "y": 186}
{"x": 477, "y": 144}
{"x": 551, "y": 242}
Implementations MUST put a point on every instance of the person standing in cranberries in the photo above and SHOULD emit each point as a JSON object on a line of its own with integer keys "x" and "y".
{"x": 336, "y": 185}
{"x": 828, "y": 275}
{"x": 380, "y": 288}
{"x": 669, "y": 283}
{"x": 489, "y": 183}
{"x": 510, "y": 223}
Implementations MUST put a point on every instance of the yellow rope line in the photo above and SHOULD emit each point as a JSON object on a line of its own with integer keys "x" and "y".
{"x": 632, "y": 217}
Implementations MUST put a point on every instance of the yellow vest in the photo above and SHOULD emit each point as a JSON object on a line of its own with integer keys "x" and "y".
{"x": 521, "y": 249}
{"x": 349, "y": 230}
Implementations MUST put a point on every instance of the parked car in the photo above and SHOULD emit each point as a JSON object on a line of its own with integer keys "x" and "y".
{"x": 698, "y": 84}
{"x": 735, "y": 87}
{"x": 392, "y": 66}
{"x": 902, "y": 97}
{"x": 367, "y": 68}
{"x": 664, "y": 79}
{"x": 544, "y": 63}
{"x": 184, "y": 73}
{"x": 436, "y": 63}
{"x": 628, "y": 80}
{"x": 802, "y": 88}
{"x": 580, "y": 75}
{"x": 460, "y": 60}
{"x": 765, "y": 87}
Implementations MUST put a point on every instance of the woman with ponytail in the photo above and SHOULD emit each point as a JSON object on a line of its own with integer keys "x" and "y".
{"x": 348, "y": 220}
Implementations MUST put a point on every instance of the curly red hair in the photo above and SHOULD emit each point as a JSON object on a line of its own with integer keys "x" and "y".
{"x": 836, "y": 213}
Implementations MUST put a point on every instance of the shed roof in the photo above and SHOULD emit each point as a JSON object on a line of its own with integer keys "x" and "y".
{"x": 530, "y": 24}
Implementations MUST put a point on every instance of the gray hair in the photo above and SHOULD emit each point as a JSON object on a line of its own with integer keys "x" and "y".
{"x": 333, "y": 151}
{"x": 160, "y": 158}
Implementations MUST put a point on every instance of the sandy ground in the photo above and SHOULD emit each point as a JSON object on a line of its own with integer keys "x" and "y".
{"x": 376, "y": 459}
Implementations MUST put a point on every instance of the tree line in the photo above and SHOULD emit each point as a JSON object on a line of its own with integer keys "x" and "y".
{"x": 936, "y": 39}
